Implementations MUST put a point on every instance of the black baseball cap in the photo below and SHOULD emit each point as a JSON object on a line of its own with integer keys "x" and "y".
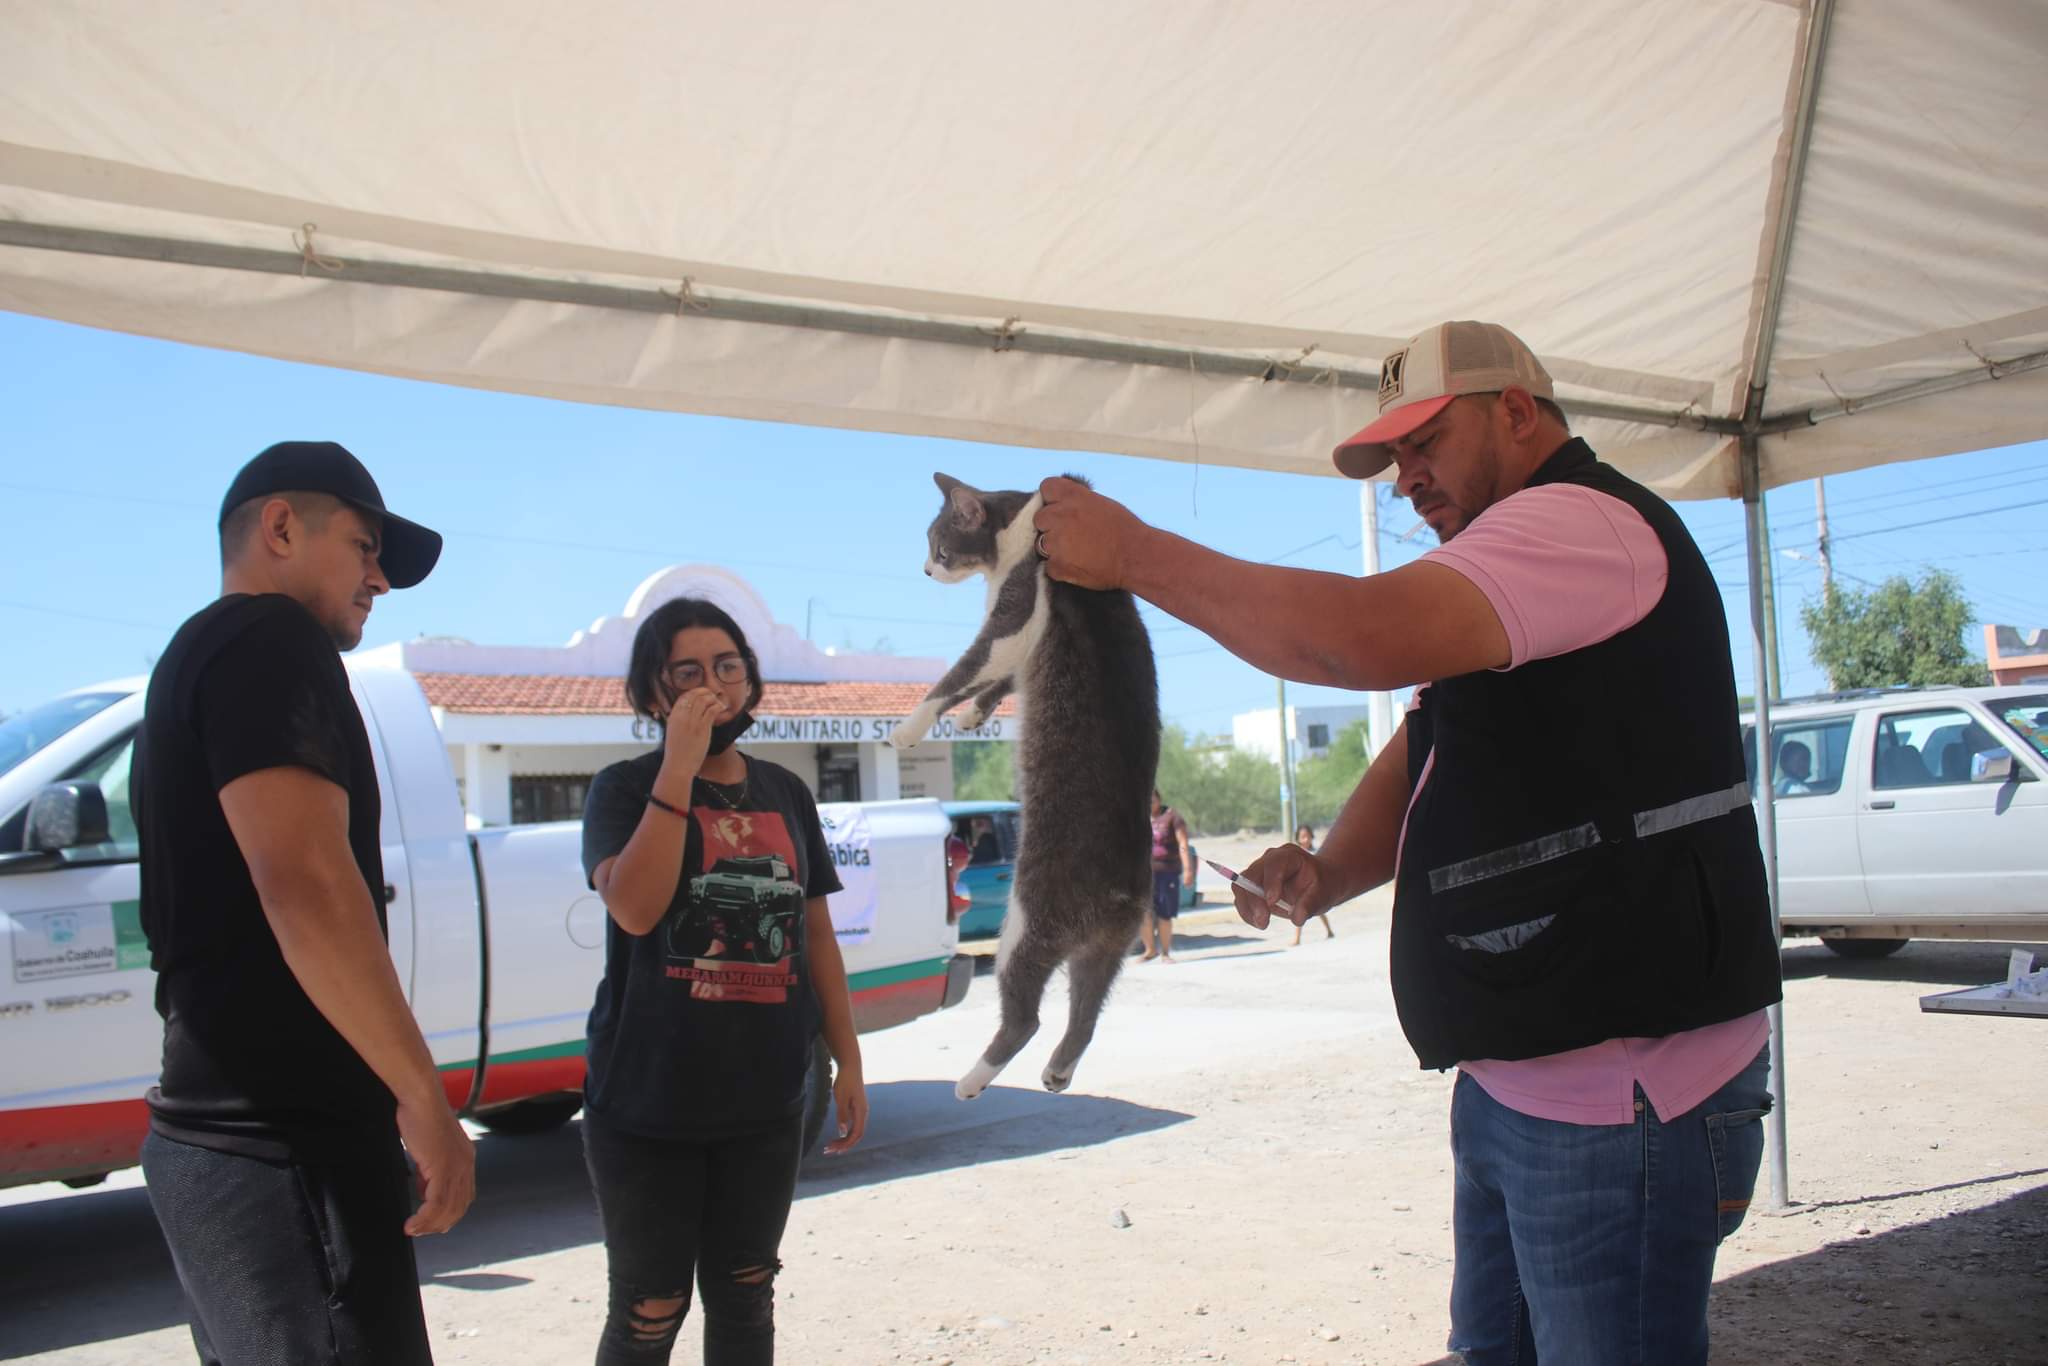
{"x": 409, "y": 549}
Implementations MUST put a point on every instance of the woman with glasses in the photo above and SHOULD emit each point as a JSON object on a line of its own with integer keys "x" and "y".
{"x": 721, "y": 970}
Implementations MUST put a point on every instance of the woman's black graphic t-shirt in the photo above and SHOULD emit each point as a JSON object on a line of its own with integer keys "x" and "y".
{"x": 704, "y": 1024}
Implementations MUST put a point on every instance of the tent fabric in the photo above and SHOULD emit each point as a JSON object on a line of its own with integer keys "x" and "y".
{"x": 1304, "y": 184}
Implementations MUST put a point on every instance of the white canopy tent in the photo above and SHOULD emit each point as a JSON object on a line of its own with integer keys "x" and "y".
{"x": 1756, "y": 241}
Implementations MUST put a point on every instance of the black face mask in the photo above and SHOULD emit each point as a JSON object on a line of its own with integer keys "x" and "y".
{"x": 725, "y": 732}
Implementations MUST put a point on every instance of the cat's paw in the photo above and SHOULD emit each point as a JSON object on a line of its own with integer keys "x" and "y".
{"x": 972, "y": 718}
{"x": 906, "y": 736}
{"x": 1056, "y": 1081}
{"x": 976, "y": 1081}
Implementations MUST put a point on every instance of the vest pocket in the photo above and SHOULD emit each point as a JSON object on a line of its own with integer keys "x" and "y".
{"x": 1518, "y": 926}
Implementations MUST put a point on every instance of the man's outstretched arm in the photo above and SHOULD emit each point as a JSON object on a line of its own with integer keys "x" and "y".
{"x": 1411, "y": 625}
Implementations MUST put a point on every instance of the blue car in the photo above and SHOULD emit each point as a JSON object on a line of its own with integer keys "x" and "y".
{"x": 990, "y": 831}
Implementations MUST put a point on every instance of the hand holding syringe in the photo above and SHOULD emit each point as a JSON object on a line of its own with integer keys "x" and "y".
{"x": 1238, "y": 879}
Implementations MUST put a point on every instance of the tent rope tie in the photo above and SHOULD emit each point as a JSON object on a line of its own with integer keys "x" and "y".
{"x": 308, "y": 256}
{"x": 688, "y": 300}
{"x": 1285, "y": 369}
{"x": 1848, "y": 405}
{"x": 1991, "y": 367}
{"x": 1005, "y": 334}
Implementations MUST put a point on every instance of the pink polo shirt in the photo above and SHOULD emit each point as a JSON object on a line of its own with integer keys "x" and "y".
{"x": 1565, "y": 567}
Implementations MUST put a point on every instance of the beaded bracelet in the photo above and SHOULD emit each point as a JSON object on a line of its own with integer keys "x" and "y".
{"x": 653, "y": 800}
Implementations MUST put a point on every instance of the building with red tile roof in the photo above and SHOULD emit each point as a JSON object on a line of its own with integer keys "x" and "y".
{"x": 528, "y": 726}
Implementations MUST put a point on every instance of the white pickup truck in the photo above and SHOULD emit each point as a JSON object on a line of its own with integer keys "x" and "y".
{"x": 1911, "y": 814}
{"x": 498, "y": 941}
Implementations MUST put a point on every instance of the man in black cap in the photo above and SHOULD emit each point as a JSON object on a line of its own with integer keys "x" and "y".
{"x": 292, "y": 1067}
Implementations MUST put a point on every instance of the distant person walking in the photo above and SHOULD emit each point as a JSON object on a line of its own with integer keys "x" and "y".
{"x": 1305, "y": 840}
{"x": 292, "y": 1067}
{"x": 1171, "y": 858}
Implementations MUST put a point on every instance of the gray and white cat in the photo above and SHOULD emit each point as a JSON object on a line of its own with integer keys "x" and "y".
{"x": 1081, "y": 664}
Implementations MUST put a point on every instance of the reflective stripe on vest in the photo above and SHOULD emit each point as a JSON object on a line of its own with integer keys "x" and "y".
{"x": 1544, "y": 848}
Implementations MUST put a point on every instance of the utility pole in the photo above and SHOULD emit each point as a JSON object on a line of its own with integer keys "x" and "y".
{"x": 1827, "y": 563}
{"x": 1827, "y": 559}
{"x": 1286, "y": 765}
{"x": 1379, "y": 726}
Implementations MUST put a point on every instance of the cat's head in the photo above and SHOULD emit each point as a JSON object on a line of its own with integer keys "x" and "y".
{"x": 965, "y": 539}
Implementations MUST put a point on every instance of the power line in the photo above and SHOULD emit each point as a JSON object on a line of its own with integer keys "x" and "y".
{"x": 85, "y": 616}
{"x": 1952, "y": 488}
{"x": 97, "y": 496}
{"x": 1897, "y": 497}
{"x": 1935, "y": 521}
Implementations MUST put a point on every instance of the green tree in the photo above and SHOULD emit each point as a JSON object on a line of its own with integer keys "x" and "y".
{"x": 1217, "y": 787}
{"x": 1323, "y": 784}
{"x": 1896, "y": 633}
{"x": 984, "y": 771}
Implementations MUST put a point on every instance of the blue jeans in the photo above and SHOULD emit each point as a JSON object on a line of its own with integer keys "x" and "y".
{"x": 1593, "y": 1244}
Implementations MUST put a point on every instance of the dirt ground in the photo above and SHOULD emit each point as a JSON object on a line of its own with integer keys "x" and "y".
{"x": 1250, "y": 1169}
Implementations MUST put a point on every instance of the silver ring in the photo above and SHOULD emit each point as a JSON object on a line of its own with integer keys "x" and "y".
{"x": 1041, "y": 547}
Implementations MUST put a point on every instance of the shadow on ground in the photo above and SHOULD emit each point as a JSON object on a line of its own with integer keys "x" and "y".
{"x": 93, "y": 1267}
{"x": 1241, "y": 942}
{"x": 1934, "y": 962}
{"x": 925, "y": 1129}
{"x": 1970, "y": 1286}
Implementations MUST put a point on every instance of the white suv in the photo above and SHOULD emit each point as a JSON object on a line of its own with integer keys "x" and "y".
{"x": 1910, "y": 813}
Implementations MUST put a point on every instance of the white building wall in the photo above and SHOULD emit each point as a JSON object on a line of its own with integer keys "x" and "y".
{"x": 487, "y": 750}
{"x": 1258, "y": 732}
{"x": 926, "y": 771}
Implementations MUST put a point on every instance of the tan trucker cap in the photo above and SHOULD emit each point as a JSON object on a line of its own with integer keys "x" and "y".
{"x": 1418, "y": 381}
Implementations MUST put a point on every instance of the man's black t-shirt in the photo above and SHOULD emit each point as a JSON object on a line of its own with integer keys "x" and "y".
{"x": 250, "y": 1065}
{"x": 704, "y": 1024}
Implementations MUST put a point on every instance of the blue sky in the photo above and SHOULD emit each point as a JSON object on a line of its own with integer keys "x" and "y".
{"x": 117, "y": 449}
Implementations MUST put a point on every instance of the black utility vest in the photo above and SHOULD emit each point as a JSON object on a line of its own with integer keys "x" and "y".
{"x": 1583, "y": 863}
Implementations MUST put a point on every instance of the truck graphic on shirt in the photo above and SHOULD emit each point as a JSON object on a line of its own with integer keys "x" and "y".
{"x": 745, "y": 908}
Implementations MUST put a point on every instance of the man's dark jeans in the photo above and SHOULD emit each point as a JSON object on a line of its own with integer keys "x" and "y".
{"x": 673, "y": 1211}
{"x": 297, "y": 1262}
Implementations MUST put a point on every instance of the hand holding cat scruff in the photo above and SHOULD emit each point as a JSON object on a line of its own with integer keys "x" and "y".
{"x": 1084, "y": 867}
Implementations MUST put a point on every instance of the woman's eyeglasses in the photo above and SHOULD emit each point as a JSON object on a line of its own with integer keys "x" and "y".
{"x": 685, "y": 674}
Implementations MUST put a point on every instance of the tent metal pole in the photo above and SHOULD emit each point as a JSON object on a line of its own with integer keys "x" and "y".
{"x": 1795, "y": 183}
{"x": 1805, "y": 98}
{"x": 1767, "y": 813}
{"x": 985, "y": 335}
{"x": 1800, "y": 419}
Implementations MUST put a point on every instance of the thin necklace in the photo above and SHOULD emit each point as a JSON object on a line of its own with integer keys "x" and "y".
{"x": 719, "y": 790}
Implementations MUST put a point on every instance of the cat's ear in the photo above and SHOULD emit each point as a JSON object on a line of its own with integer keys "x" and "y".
{"x": 946, "y": 482}
{"x": 966, "y": 506}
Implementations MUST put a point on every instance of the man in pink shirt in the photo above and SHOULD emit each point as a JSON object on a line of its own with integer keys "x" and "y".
{"x": 1580, "y": 918}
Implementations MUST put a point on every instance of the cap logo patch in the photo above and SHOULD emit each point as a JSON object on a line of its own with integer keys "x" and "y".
{"x": 1391, "y": 371}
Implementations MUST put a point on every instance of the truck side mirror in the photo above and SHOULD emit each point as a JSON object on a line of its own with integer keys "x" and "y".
{"x": 1991, "y": 766}
{"x": 66, "y": 816}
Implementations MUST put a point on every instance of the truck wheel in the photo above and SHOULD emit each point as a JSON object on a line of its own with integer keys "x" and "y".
{"x": 1866, "y": 948}
{"x": 536, "y": 1116}
{"x": 817, "y": 1098}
